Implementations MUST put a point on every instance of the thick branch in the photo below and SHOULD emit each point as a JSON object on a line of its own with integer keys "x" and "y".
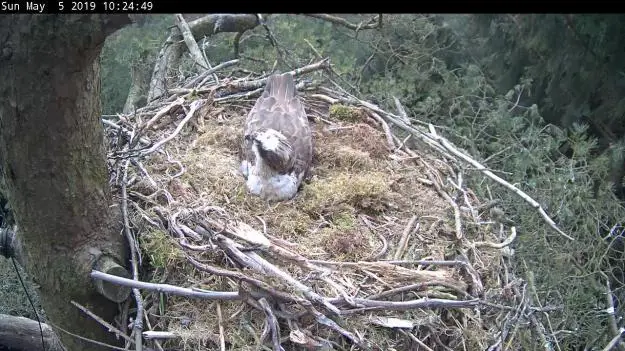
{"x": 19, "y": 333}
{"x": 201, "y": 27}
{"x": 194, "y": 49}
{"x": 375, "y": 23}
{"x": 259, "y": 83}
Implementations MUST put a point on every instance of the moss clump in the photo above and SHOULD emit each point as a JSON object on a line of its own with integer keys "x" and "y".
{"x": 345, "y": 113}
{"x": 288, "y": 220}
{"x": 365, "y": 191}
{"x": 160, "y": 248}
{"x": 337, "y": 155}
{"x": 344, "y": 220}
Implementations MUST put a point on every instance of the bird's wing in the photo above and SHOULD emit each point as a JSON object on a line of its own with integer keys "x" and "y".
{"x": 301, "y": 136}
{"x": 254, "y": 123}
{"x": 280, "y": 109}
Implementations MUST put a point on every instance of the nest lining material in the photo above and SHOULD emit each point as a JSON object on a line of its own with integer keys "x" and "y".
{"x": 353, "y": 240}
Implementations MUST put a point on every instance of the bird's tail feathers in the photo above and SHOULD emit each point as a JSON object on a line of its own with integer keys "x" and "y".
{"x": 281, "y": 86}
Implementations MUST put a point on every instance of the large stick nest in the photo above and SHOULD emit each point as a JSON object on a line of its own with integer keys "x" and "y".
{"x": 379, "y": 249}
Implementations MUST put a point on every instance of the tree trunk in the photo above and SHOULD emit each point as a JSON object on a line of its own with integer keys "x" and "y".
{"x": 53, "y": 162}
{"x": 140, "y": 76}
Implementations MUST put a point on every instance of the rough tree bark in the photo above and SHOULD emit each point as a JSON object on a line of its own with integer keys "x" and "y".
{"x": 19, "y": 333}
{"x": 53, "y": 162}
{"x": 172, "y": 49}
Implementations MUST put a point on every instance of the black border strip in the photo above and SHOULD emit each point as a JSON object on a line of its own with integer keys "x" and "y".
{"x": 298, "y": 6}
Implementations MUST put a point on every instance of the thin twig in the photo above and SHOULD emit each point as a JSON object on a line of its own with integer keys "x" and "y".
{"x": 415, "y": 339}
{"x": 104, "y": 323}
{"x": 220, "y": 322}
{"x": 371, "y": 23}
{"x": 272, "y": 321}
{"x": 501, "y": 245}
{"x": 615, "y": 340}
{"x": 403, "y": 242}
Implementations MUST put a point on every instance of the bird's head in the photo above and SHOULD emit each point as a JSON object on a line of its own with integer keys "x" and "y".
{"x": 270, "y": 140}
{"x": 273, "y": 147}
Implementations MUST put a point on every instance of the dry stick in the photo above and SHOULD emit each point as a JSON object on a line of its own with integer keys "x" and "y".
{"x": 418, "y": 286}
{"x": 166, "y": 288}
{"x": 272, "y": 321}
{"x": 138, "y": 322}
{"x": 246, "y": 95}
{"x": 501, "y": 245}
{"x": 401, "y": 110}
{"x": 194, "y": 106}
{"x": 220, "y": 322}
{"x": 254, "y": 261}
{"x": 156, "y": 342}
{"x": 165, "y": 110}
{"x": 194, "y": 49}
{"x": 465, "y": 197}
{"x": 143, "y": 170}
{"x": 426, "y": 262}
{"x": 421, "y": 135}
{"x": 317, "y": 53}
{"x": 325, "y": 98}
{"x": 454, "y": 205}
{"x": 259, "y": 83}
{"x": 204, "y": 76}
{"x": 99, "y": 343}
{"x": 615, "y": 340}
{"x": 342, "y": 21}
{"x": 245, "y": 232}
{"x": 384, "y": 247}
{"x": 252, "y": 236}
{"x": 519, "y": 312}
{"x": 307, "y": 291}
{"x": 405, "y": 237}
{"x": 423, "y": 303}
{"x": 253, "y": 93}
{"x": 478, "y": 287}
{"x": 611, "y": 313}
{"x": 538, "y": 326}
{"x": 322, "y": 319}
{"x": 387, "y": 130}
{"x": 125, "y": 131}
{"x": 156, "y": 335}
{"x": 447, "y": 145}
{"x": 106, "y": 324}
{"x": 217, "y": 68}
{"x": 240, "y": 276}
{"x": 415, "y": 339}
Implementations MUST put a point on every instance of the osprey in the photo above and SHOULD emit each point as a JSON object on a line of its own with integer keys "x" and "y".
{"x": 277, "y": 144}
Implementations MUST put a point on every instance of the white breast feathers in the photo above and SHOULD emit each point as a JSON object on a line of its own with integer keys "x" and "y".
{"x": 271, "y": 176}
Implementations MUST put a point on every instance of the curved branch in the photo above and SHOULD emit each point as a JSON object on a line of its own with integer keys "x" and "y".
{"x": 373, "y": 23}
